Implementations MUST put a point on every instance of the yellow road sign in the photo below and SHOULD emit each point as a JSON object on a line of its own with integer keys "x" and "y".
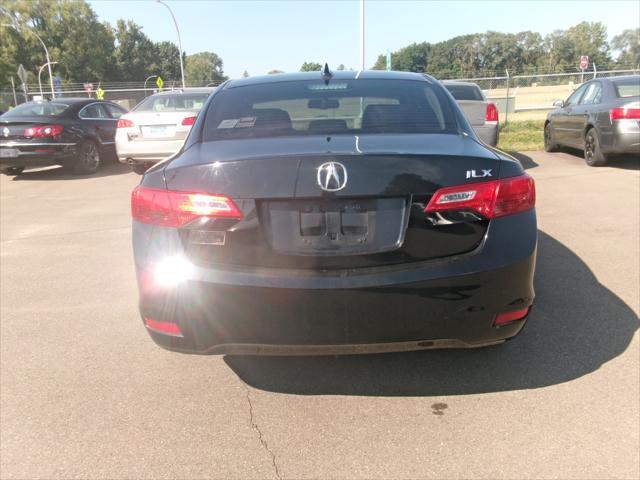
{"x": 160, "y": 83}
{"x": 100, "y": 93}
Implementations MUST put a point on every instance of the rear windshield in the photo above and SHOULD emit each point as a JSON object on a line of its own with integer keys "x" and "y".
{"x": 44, "y": 109}
{"x": 343, "y": 106}
{"x": 628, "y": 88}
{"x": 191, "y": 102}
{"x": 465, "y": 92}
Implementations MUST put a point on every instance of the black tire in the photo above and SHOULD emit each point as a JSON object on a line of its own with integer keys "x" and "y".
{"x": 88, "y": 159}
{"x": 592, "y": 153}
{"x": 549, "y": 144}
{"x": 13, "y": 171}
{"x": 140, "y": 168}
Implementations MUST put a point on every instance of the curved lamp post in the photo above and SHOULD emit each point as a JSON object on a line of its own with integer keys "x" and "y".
{"x": 46, "y": 52}
{"x": 48, "y": 64}
{"x": 179, "y": 40}
{"x": 145, "y": 83}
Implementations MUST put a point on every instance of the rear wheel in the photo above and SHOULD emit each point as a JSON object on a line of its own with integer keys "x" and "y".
{"x": 549, "y": 144}
{"x": 88, "y": 159}
{"x": 140, "y": 168}
{"x": 592, "y": 153}
{"x": 13, "y": 171}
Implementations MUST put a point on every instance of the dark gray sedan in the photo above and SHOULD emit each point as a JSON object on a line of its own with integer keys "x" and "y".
{"x": 602, "y": 117}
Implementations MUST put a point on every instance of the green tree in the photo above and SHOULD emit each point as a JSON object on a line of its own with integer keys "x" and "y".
{"x": 167, "y": 61}
{"x": 275, "y": 72}
{"x": 412, "y": 58}
{"x": 310, "y": 67}
{"x": 136, "y": 55}
{"x": 204, "y": 68}
{"x": 245, "y": 74}
{"x": 82, "y": 46}
{"x": 341, "y": 67}
{"x": 627, "y": 44}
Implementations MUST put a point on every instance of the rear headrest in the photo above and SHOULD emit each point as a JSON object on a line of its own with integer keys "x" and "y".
{"x": 329, "y": 125}
{"x": 398, "y": 117}
{"x": 271, "y": 118}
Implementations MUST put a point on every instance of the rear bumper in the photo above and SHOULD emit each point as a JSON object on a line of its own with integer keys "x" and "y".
{"x": 438, "y": 304}
{"x": 41, "y": 155}
{"x": 488, "y": 134}
{"x": 628, "y": 142}
{"x": 140, "y": 151}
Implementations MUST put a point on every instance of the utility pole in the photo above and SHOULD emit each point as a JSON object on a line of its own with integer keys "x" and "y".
{"x": 179, "y": 40}
{"x": 361, "y": 34}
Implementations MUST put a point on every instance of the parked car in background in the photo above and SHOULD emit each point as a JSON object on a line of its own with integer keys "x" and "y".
{"x": 334, "y": 212}
{"x": 482, "y": 114}
{"x": 157, "y": 127}
{"x": 601, "y": 117}
{"x": 78, "y": 133}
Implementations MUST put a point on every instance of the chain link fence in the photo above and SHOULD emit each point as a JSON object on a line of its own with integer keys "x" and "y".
{"x": 533, "y": 93}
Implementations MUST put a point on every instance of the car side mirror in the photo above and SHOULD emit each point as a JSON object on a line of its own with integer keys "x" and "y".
{"x": 558, "y": 103}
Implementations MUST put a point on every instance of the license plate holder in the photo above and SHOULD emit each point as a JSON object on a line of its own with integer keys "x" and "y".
{"x": 336, "y": 227}
{"x": 157, "y": 131}
{"x": 9, "y": 153}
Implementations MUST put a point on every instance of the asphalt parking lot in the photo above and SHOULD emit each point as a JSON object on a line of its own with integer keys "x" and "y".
{"x": 86, "y": 394}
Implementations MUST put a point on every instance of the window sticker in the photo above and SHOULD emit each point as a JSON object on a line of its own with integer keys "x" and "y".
{"x": 246, "y": 122}
{"x": 228, "y": 123}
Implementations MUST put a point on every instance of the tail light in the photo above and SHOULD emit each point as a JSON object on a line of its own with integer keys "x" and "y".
{"x": 166, "y": 328}
{"x": 496, "y": 198}
{"x": 189, "y": 121}
{"x": 512, "y": 316}
{"x": 491, "y": 115}
{"x": 125, "y": 123}
{"x": 44, "y": 131}
{"x": 174, "y": 209}
{"x": 624, "y": 114}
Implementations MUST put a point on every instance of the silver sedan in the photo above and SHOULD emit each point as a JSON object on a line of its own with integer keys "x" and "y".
{"x": 158, "y": 126}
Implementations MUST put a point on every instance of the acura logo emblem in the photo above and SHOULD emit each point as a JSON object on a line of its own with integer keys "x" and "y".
{"x": 332, "y": 176}
{"x": 5, "y": 131}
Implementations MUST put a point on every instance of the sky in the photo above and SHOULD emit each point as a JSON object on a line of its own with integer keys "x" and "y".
{"x": 259, "y": 36}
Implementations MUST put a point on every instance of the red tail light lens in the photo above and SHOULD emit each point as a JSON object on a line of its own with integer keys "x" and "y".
{"x": 189, "y": 121}
{"x": 125, "y": 123}
{"x": 44, "y": 131}
{"x": 166, "y": 328}
{"x": 174, "y": 209}
{"x": 624, "y": 114}
{"x": 508, "y": 317}
{"x": 491, "y": 115}
{"x": 496, "y": 198}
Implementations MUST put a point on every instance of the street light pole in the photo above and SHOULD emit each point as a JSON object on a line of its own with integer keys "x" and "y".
{"x": 48, "y": 64}
{"x": 145, "y": 83}
{"x": 46, "y": 52}
{"x": 179, "y": 40}
{"x": 361, "y": 34}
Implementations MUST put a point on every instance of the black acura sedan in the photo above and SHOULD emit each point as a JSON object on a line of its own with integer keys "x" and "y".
{"x": 77, "y": 133}
{"x": 333, "y": 213}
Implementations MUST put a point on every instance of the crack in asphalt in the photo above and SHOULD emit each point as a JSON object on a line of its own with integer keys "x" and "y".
{"x": 263, "y": 442}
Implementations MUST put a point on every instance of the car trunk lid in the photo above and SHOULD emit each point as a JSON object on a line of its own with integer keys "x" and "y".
{"x": 377, "y": 218}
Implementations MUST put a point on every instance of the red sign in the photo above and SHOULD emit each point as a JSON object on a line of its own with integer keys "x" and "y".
{"x": 584, "y": 62}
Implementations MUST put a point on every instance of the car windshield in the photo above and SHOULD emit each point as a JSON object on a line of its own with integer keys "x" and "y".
{"x": 44, "y": 109}
{"x": 342, "y": 106}
{"x": 628, "y": 88}
{"x": 464, "y": 92}
{"x": 191, "y": 102}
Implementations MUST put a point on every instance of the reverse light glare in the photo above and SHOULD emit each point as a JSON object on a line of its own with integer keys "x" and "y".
{"x": 172, "y": 271}
{"x": 206, "y": 205}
